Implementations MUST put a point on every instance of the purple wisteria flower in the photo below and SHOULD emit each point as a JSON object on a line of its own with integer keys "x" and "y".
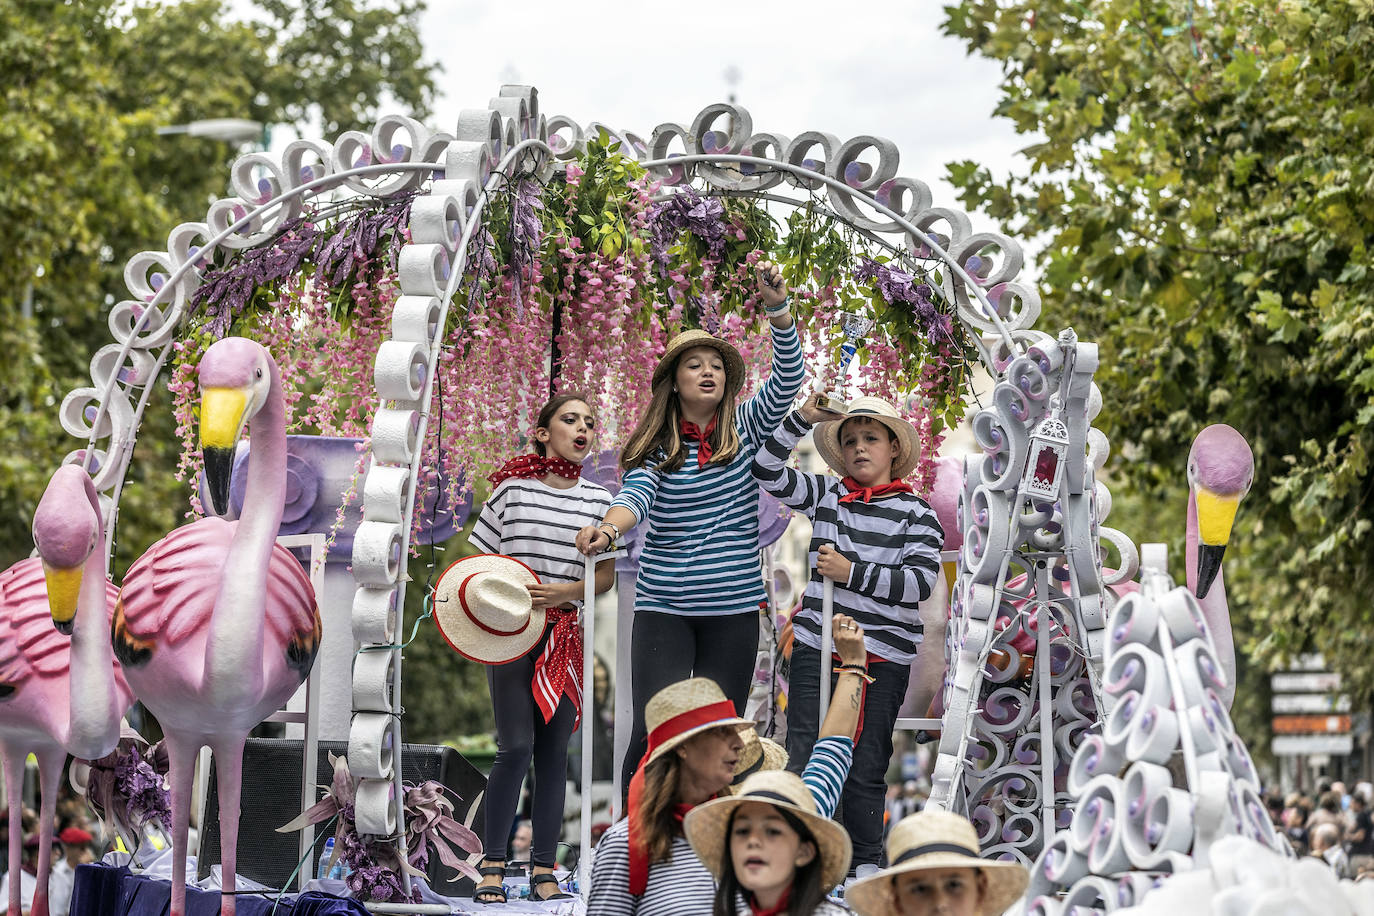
{"x": 526, "y": 235}
{"x": 686, "y": 210}
{"x": 897, "y": 287}
{"x": 353, "y": 244}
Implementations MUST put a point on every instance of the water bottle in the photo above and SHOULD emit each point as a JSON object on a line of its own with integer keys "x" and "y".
{"x": 323, "y": 871}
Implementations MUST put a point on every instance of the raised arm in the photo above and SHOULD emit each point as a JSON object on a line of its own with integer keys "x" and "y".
{"x": 791, "y": 487}
{"x": 833, "y": 754}
{"x": 763, "y": 412}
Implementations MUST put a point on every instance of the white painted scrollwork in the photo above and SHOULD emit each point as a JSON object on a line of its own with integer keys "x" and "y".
{"x": 1166, "y": 780}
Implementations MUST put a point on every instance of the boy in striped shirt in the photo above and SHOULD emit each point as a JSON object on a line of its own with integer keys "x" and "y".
{"x": 880, "y": 544}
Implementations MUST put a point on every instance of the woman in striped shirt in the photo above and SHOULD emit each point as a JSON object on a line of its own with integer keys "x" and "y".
{"x": 539, "y": 500}
{"x": 644, "y": 866}
{"x": 699, "y": 590}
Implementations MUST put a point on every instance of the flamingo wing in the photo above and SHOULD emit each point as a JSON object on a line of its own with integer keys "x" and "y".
{"x": 166, "y": 598}
{"x": 29, "y": 643}
{"x": 292, "y": 613}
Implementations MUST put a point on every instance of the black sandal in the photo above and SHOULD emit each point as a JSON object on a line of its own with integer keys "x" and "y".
{"x": 548, "y": 879}
{"x": 486, "y": 894}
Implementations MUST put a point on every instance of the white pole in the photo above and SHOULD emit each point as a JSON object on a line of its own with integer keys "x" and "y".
{"x": 588, "y": 714}
{"x": 827, "y": 645}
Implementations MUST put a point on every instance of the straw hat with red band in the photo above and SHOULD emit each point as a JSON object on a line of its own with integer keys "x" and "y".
{"x": 484, "y": 611}
{"x": 936, "y": 839}
{"x": 673, "y": 716}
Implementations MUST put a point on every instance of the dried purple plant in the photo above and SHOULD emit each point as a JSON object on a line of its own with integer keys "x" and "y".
{"x": 688, "y": 211}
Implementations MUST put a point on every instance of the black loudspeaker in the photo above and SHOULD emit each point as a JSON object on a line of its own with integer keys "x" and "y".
{"x": 271, "y": 797}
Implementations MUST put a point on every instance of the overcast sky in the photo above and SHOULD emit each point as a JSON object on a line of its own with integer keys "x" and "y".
{"x": 869, "y": 67}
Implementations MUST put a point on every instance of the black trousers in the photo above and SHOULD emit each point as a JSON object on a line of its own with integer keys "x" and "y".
{"x": 522, "y": 735}
{"x": 667, "y": 648}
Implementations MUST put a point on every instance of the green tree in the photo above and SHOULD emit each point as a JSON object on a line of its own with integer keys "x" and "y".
{"x": 1200, "y": 178}
{"x": 86, "y": 182}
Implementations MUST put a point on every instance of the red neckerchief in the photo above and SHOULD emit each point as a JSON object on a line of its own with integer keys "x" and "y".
{"x": 776, "y": 910}
{"x": 536, "y": 467}
{"x": 867, "y": 493}
{"x": 558, "y": 669}
{"x": 639, "y": 847}
{"x": 692, "y": 431}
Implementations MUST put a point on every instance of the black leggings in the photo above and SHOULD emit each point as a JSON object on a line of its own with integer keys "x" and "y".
{"x": 522, "y": 733}
{"x": 667, "y": 648}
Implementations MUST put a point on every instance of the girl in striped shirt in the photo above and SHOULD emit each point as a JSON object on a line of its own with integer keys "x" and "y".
{"x": 880, "y": 544}
{"x": 538, "y": 503}
{"x": 699, "y": 590}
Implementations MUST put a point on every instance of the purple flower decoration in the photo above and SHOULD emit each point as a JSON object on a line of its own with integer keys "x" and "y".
{"x": 897, "y": 287}
{"x": 687, "y": 211}
{"x": 526, "y": 235}
{"x": 126, "y": 787}
{"x": 355, "y": 241}
{"x": 376, "y": 871}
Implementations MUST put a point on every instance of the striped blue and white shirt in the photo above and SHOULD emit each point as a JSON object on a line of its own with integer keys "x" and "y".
{"x": 893, "y": 544}
{"x": 701, "y": 550}
{"x": 681, "y": 885}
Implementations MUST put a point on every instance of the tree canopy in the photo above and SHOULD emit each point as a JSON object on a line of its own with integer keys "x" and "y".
{"x": 1201, "y": 180}
{"x": 87, "y": 181}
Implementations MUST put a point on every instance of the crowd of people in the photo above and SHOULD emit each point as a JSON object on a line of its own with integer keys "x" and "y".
{"x": 1334, "y": 825}
{"x": 77, "y": 839}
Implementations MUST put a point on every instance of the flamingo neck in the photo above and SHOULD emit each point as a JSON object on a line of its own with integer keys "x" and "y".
{"x": 234, "y": 651}
{"x": 93, "y": 724}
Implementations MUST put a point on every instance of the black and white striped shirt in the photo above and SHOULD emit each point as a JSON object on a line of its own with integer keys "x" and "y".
{"x": 893, "y": 543}
{"x": 536, "y": 524}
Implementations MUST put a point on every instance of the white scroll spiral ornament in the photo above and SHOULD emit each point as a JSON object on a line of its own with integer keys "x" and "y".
{"x": 1166, "y": 780}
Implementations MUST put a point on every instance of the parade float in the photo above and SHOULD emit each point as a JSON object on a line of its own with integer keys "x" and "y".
{"x": 421, "y": 289}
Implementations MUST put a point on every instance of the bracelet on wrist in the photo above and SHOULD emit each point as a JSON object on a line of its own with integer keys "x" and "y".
{"x": 782, "y": 309}
{"x": 615, "y": 530}
{"x": 859, "y": 672}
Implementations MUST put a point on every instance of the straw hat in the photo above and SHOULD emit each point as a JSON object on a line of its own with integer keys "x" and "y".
{"x": 936, "y": 839}
{"x": 706, "y": 825}
{"x": 682, "y": 710}
{"x": 827, "y": 436}
{"x": 734, "y": 363}
{"x": 758, "y": 754}
{"x": 484, "y": 611}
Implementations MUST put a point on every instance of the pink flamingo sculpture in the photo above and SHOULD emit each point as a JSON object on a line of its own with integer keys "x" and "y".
{"x": 217, "y": 625}
{"x": 58, "y": 695}
{"x": 1221, "y": 469}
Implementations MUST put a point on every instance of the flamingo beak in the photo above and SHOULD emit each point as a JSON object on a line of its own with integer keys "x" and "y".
{"x": 64, "y": 585}
{"x": 1215, "y": 517}
{"x": 222, "y": 415}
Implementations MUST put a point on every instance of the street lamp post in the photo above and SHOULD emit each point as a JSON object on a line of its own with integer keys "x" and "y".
{"x": 230, "y": 130}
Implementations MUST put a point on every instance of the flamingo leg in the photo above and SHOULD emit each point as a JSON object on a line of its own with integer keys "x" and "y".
{"x": 14, "y": 792}
{"x": 49, "y": 775}
{"x": 229, "y": 767}
{"x": 181, "y": 759}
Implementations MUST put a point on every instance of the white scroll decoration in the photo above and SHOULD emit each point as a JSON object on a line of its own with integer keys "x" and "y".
{"x": 1028, "y": 609}
{"x": 1166, "y": 781}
